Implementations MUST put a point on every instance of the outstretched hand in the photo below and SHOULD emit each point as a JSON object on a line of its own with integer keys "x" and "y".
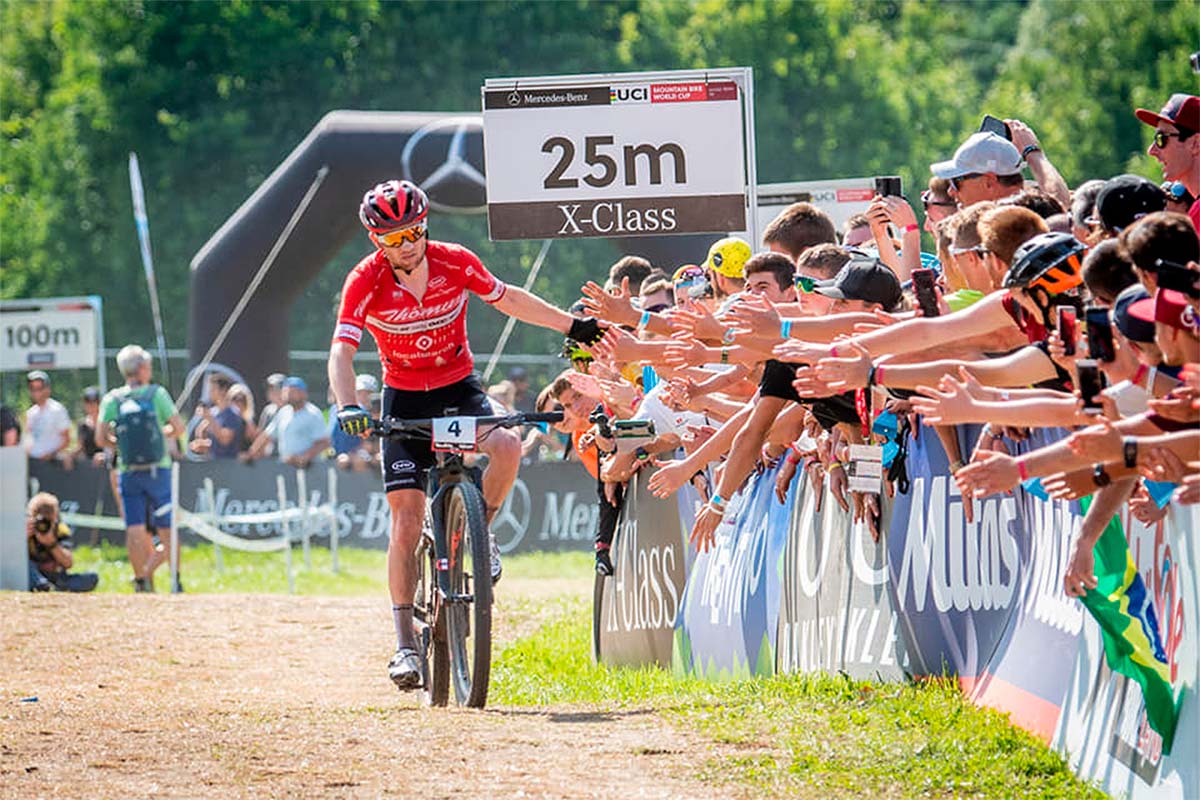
{"x": 991, "y": 473}
{"x": 616, "y": 308}
{"x": 845, "y": 373}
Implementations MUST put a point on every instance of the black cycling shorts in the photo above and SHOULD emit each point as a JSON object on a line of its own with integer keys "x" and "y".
{"x": 407, "y": 461}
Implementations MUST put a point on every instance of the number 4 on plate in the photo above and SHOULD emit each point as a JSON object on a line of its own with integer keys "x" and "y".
{"x": 454, "y": 433}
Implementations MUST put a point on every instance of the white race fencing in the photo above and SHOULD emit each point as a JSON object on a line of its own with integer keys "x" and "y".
{"x": 298, "y": 523}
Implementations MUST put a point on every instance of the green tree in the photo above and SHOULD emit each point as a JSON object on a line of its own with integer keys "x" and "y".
{"x": 1079, "y": 69}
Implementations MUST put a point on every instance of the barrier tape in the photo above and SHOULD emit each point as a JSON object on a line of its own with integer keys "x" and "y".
{"x": 199, "y": 525}
{"x": 205, "y": 525}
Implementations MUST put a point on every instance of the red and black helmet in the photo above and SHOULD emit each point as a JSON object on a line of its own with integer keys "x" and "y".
{"x": 392, "y": 205}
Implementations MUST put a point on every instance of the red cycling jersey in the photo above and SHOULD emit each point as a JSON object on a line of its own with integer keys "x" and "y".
{"x": 422, "y": 343}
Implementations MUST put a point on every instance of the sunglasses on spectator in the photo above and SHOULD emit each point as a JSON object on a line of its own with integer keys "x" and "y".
{"x": 962, "y": 251}
{"x": 657, "y": 308}
{"x": 1160, "y": 138}
{"x": 805, "y": 284}
{"x": 689, "y": 275}
{"x": 955, "y": 183}
{"x": 396, "y": 238}
{"x": 928, "y": 200}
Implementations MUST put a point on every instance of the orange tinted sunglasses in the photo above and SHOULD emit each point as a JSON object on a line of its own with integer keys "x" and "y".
{"x": 396, "y": 238}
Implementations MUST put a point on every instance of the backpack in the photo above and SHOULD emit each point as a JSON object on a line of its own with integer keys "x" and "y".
{"x": 139, "y": 436}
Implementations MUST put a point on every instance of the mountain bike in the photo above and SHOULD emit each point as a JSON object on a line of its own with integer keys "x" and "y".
{"x": 453, "y": 603}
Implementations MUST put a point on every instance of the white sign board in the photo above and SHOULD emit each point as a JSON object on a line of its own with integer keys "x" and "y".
{"x": 50, "y": 333}
{"x": 618, "y": 155}
{"x": 840, "y": 199}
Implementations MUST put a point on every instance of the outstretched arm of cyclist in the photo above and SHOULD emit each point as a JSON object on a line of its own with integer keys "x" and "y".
{"x": 528, "y": 307}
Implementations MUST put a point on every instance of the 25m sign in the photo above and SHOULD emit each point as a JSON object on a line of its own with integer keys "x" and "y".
{"x": 630, "y": 154}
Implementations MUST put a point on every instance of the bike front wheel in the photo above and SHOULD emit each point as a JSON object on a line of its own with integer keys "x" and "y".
{"x": 467, "y": 607}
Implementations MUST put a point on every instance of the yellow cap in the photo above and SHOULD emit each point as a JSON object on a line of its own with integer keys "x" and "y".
{"x": 729, "y": 257}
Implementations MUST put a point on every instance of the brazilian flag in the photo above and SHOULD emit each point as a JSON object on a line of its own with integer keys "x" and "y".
{"x": 1129, "y": 624}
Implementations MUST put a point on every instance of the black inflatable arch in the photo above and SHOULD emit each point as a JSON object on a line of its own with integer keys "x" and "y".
{"x": 441, "y": 152}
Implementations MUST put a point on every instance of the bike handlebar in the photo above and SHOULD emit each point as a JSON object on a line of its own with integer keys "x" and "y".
{"x": 423, "y": 428}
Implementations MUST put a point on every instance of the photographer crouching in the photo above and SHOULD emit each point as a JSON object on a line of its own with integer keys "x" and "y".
{"x": 49, "y": 543}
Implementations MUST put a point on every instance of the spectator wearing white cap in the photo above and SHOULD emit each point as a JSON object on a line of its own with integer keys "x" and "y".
{"x": 985, "y": 167}
{"x": 47, "y": 423}
{"x": 297, "y": 429}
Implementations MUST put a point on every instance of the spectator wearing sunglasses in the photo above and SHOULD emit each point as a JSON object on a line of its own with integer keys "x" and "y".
{"x": 938, "y": 203}
{"x": 985, "y": 167}
{"x": 1176, "y": 145}
{"x": 656, "y": 296}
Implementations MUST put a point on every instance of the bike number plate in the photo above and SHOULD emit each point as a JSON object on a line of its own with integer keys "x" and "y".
{"x": 453, "y": 433}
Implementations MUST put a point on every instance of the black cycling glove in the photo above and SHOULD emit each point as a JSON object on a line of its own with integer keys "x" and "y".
{"x": 354, "y": 420}
{"x": 585, "y": 331}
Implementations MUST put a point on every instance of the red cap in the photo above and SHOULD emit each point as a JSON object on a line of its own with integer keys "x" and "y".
{"x": 1182, "y": 111}
{"x": 1172, "y": 308}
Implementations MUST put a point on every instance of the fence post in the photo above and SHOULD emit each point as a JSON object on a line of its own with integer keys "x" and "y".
{"x": 285, "y": 527}
{"x": 305, "y": 527}
{"x": 175, "y": 509}
{"x": 331, "y": 477}
{"x": 210, "y": 494}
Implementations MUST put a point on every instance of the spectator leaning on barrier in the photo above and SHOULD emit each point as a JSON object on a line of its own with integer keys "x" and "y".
{"x": 48, "y": 539}
{"x": 138, "y": 418}
{"x": 1176, "y": 144}
{"x": 223, "y": 425}
{"x": 523, "y": 399}
{"x": 298, "y": 429}
{"x": 47, "y": 423}
{"x": 86, "y": 448}
{"x": 274, "y": 402}
{"x": 242, "y": 401}
{"x": 10, "y": 427}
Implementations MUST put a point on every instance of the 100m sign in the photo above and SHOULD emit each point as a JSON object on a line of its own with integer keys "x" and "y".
{"x": 600, "y": 153}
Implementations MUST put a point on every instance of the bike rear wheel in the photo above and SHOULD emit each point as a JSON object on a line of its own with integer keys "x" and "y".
{"x": 467, "y": 608}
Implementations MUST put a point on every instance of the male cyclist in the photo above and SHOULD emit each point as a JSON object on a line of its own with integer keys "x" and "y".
{"x": 411, "y": 295}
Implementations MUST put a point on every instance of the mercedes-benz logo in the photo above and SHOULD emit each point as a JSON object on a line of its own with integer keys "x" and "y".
{"x": 514, "y": 525}
{"x": 438, "y": 159}
{"x": 514, "y": 98}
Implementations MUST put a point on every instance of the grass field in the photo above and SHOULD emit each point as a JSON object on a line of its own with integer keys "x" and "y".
{"x": 805, "y": 736}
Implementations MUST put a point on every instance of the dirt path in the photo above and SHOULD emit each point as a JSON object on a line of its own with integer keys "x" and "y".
{"x": 267, "y": 696}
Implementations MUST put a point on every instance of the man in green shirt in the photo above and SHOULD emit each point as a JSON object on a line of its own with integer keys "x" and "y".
{"x": 138, "y": 418}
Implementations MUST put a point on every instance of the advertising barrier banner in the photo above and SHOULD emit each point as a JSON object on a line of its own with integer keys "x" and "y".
{"x": 549, "y": 508}
{"x": 730, "y": 615}
{"x": 953, "y": 583}
{"x": 1046, "y": 623}
{"x": 1103, "y": 728}
{"x": 835, "y": 615}
{"x": 640, "y": 601}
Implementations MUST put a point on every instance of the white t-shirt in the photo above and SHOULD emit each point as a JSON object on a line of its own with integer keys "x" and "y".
{"x": 44, "y": 426}
{"x": 666, "y": 419}
{"x": 295, "y": 431}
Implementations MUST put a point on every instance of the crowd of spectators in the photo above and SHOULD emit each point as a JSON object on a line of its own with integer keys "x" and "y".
{"x": 224, "y": 424}
{"x": 1041, "y": 307}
